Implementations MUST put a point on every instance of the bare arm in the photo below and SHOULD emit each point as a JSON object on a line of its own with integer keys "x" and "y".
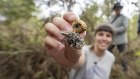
{"x": 76, "y": 57}
{"x": 63, "y": 54}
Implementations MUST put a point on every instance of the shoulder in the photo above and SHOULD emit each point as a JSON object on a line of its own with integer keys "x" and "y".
{"x": 110, "y": 55}
{"x": 86, "y": 48}
{"x": 124, "y": 17}
{"x": 111, "y": 16}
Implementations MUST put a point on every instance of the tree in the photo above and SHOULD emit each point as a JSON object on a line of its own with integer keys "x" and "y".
{"x": 96, "y": 14}
{"x": 89, "y": 16}
{"x": 15, "y": 9}
{"x": 19, "y": 25}
{"x": 107, "y": 8}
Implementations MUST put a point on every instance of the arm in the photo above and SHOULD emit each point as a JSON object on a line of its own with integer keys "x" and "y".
{"x": 66, "y": 56}
{"x": 76, "y": 58}
{"x": 123, "y": 28}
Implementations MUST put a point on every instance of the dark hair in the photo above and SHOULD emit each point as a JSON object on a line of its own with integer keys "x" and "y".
{"x": 106, "y": 28}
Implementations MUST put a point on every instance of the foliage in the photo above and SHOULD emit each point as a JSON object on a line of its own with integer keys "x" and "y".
{"x": 107, "y": 7}
{"x": 89, "y": 16}
{"x": 15, "y": 9}
{"x": 21, "y": 38}
{"x": 92, "y": 18}
{"x": 132, "y": 30}
{"x": 138, "y": 53}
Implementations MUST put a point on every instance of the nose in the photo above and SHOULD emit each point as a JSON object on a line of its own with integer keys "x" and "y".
{"x": 104, "y": 37}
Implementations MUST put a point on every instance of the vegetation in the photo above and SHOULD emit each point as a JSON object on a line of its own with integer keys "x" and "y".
{"x": 22, "y": 51}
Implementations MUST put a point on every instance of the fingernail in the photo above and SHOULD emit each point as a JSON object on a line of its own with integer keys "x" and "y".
{"x": 67, "y": 28}
{"x": 60, "y": 36}
{"x": 72, "y": 17}
{"x": 60, "y": 47}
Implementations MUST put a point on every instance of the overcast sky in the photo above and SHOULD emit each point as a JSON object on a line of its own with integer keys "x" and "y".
{"x": 127, "y": 10}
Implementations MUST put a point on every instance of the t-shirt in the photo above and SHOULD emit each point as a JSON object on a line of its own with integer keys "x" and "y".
{"x": 94, "y": 67}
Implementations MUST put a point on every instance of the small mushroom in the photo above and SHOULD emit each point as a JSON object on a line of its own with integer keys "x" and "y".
{"x": 73, "y": 38}
{"x": 79, "y": 26}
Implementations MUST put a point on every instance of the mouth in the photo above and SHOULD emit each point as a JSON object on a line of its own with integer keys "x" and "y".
{"x": 104, "y": 44}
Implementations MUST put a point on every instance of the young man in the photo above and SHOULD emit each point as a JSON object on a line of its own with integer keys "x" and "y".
{"x": 120, "y": 25}
{"x": 89, "y": 62}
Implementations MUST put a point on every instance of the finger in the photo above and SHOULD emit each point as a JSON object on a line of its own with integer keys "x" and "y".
{"x": 51, "y": 29}
{"x": 83, "y": 34}
{"x": 70, "y": 17}
{"x": 51, "y": 42}
{"x": 48, "y": 47}
{"x": 61, "y": 24}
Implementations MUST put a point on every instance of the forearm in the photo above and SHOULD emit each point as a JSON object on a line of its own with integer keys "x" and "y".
{"x": 120, "y": 29}
{"x": 74, "y": 56}
{"x": 123, "y": 27}
{"x": 62, "y": 60}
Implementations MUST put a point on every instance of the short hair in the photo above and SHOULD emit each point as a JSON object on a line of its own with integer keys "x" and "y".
{"x": 106, "y": 28}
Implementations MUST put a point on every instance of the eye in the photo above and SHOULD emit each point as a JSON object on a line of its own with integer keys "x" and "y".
{"x": 108, "y": 35}
{"x": 100, "y": 34}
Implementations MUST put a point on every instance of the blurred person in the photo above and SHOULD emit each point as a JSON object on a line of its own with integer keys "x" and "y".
{"x": 138, "y": 26}
{"x": 120, "y": 25}
{"x": 91, "y": 61}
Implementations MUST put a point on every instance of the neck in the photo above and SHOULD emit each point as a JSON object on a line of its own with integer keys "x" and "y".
{"x": 98, "y": 52}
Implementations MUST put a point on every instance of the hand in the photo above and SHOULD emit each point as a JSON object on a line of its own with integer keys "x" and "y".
{"x": 63, "y": 54}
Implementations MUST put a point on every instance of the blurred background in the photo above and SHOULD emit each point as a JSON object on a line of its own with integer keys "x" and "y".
{"x": 22, "y": 51}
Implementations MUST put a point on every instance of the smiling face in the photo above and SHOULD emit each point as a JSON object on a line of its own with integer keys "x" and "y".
{"x": 102, "y": 40}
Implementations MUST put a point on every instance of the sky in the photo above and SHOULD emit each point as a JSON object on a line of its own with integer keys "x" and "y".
{"x": 128, "y": 9}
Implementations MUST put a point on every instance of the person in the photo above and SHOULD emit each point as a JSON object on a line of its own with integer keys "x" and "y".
{"x": 120, "y": 25}
{"x": 91, "y": 61}
{"x": 139, "y": 26}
